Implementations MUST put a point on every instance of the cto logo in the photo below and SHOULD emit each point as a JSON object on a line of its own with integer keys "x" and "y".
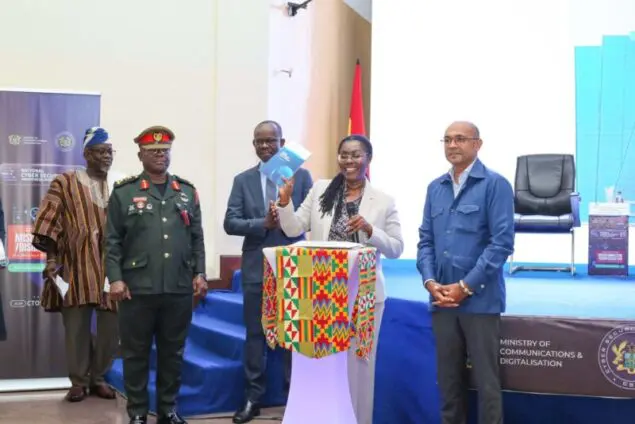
{"x": 34, "y": 302}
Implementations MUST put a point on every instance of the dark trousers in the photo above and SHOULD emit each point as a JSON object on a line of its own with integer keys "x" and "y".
{"x": 457, "y": 336}
{"x": 166, "y": 318}
{"x": 255, "y": 345}
{"x": 3, "y": 327}
{"x": 89, "y": 358}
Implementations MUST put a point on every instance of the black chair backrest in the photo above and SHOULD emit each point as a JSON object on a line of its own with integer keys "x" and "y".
{"x": 544, "y": 184}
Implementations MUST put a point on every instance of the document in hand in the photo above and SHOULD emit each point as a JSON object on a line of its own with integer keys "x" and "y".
{"x": 3, "y": 256}
{"x": 285, "y": 163}
{"x": 62, "y": 286}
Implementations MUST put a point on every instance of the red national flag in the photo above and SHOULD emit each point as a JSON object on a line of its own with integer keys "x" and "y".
{"x": 356, "y": 124}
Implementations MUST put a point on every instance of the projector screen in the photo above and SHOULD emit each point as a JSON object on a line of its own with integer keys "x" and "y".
{"x": 507, "y": 66}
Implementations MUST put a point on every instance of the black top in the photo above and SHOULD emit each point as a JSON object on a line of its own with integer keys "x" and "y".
{"x": 162, "y": 187}
{"x": 340, "y": 218}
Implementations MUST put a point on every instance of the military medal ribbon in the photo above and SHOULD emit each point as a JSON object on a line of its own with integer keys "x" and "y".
{"x": 186, "y": 217}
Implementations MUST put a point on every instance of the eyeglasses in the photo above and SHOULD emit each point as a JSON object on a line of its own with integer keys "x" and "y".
{"x": 265, "y": 141}
{"x": 104, "y": 152}
{"x": 157, "y": 152}
{"x": 458, "y": 140}
{"x": 356, "y": 156}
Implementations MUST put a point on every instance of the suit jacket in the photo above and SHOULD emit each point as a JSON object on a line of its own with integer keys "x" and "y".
{"x": 2, "y": 227}
{"x": 245, "y": 216}
{"x": 376, "y": 207}
{"x": 3, "y": 329}
{"x": 469, "y": 237}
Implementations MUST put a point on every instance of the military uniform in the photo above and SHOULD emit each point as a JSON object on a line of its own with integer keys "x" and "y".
{"x": 154, "y": 245}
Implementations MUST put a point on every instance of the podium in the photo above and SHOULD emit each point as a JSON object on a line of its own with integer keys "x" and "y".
{"x": 315, "y": 300}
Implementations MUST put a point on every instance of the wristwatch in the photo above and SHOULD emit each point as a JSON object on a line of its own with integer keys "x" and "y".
{"x": 465, "y": 288}
{"x": 201, "y": 274}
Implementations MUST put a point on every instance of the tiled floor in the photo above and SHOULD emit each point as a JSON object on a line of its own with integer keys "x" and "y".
{"x": 50, "y": 408}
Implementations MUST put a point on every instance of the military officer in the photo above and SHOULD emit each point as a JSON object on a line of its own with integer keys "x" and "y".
{"x": 155, "y": 262}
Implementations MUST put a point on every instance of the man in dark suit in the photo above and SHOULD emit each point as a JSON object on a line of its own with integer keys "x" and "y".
{"x": 249, "y": 215}
{"x": 2, "y": 231}
{"x": 3, "y": 264}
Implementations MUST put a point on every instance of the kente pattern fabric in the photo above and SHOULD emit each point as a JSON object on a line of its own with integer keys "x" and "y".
{"x": 305, "y": 301}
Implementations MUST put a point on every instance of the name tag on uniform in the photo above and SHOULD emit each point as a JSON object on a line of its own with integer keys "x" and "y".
{"x": 140, "y": 202}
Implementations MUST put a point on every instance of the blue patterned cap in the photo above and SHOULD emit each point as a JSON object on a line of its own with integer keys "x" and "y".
{"x": 95, "y": 136}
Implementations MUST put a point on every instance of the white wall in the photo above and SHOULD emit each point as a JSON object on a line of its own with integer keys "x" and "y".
{"x": 199, "y": 67}
{"x": 590, "y": 19}
{"x": 290, "y": 50}
{"x": 253, "y": 50}
{"x": 320, "y": 46}
{"x": 506, "y": 66}
{"x": 208, "y": 69}
{"x": 241, "y": 91}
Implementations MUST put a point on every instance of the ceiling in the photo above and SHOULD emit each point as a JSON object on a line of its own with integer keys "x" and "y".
{"x": 363, "y": 7}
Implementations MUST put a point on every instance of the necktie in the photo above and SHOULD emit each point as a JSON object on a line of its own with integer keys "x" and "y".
{"x": 270, "y": 193}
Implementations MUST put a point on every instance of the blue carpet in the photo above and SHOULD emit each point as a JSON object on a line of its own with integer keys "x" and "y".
{"x": 212, "y": 376}
{"x": 534, "y": 293}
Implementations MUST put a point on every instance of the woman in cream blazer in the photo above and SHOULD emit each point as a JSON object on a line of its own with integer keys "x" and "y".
{"x": 325, "y": 214}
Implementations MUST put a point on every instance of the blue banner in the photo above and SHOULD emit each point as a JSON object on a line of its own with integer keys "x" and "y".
{"x": 605, "y": 120}
{"x": 40, "y": 137}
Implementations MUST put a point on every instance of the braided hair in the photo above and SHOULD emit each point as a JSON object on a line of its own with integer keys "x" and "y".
{"x": 336, "y": 188}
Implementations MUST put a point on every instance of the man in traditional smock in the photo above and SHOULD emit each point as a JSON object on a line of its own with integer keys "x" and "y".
{"x": 70, "y": 228}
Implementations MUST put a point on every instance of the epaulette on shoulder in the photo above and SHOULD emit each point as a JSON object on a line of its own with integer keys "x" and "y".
{"x": 127, "y": 180}
{"x": 183, "y": 181}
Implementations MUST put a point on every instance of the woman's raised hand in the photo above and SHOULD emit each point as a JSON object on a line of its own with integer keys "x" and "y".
{"x": 285, "y": 192}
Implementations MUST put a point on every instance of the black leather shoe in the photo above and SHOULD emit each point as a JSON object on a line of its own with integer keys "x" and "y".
{"x": 138, "y": 419}
{"x": 171, "y": 418}
{"x": 248, "y": 413}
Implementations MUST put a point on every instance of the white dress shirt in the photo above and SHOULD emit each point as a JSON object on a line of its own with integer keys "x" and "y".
{"x": 263, "y": 183}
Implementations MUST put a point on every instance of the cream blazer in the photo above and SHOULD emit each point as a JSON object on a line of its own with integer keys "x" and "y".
{"x": 376, "y": 207}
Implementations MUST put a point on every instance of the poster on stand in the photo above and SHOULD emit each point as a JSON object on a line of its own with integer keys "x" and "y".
{"x": 608, "y": 239}
{"x": 40, "y": 137}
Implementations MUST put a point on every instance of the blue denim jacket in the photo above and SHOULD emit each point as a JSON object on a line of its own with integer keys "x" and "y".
{"x": 469, "y": 237}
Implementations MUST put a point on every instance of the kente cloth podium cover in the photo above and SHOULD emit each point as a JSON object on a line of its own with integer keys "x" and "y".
{"x": 306, "y": 300}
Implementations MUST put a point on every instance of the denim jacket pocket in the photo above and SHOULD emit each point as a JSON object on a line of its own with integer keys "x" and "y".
{"x": 468, "y": 218}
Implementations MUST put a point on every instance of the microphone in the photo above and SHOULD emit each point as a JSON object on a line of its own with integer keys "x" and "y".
{"x": 351, "y": 211}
